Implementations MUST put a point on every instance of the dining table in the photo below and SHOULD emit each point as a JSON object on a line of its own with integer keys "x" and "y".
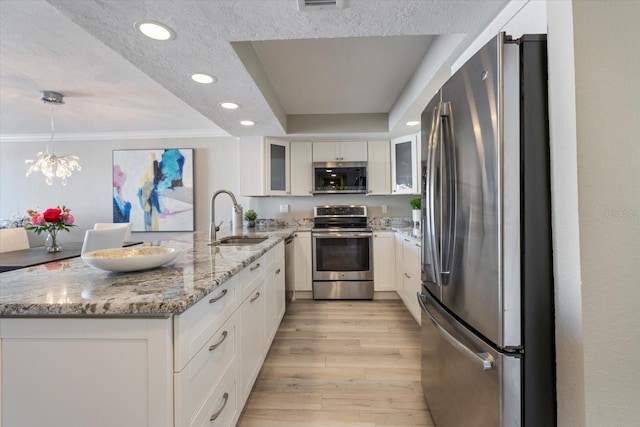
{"x": 37, "y": 255}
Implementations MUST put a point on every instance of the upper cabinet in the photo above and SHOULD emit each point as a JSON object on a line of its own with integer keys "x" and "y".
{"x": 301, "y": 166}
{"x": 264, "y": 167}
{"x": 379, "y": 168}
{"x": 405, "y": 164}
{"x": 340, "y": 151}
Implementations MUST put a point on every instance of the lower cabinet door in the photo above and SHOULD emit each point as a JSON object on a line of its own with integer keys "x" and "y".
{"x": 411, "y": 287}
{"x": 250, "y": 341}
{"x": 274, "y": 301}
{"x": 86, "y": 372}
{"x": 221, "y": 407}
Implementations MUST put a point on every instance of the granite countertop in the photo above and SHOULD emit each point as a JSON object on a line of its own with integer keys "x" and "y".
{"x": 414, "y": 233}
{"x": 72, "y": 288}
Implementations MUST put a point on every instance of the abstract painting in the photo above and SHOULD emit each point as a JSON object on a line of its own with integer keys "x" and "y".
{"x": 153, "y": 189}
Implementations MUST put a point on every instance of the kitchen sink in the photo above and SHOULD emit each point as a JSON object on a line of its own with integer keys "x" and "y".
{"x": 239, "y": 241}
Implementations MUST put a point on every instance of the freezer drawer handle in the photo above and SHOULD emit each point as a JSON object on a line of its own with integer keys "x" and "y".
{"x": 484, "y": 358}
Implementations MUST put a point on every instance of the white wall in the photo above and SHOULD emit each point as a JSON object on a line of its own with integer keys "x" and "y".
{"x": 566, "y": 235}
{"x": 607, "y": 62}
{"x": 88, "y": 192}
{"x": 596, "y": 155}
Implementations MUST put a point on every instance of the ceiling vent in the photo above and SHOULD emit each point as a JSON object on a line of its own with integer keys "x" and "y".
{"x": 306, "y": 5}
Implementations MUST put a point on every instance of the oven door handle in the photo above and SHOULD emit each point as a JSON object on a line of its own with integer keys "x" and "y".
{"x": 340, "y": 235}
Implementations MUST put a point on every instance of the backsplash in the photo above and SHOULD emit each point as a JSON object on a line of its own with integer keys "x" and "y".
{"x": 376, "y": 222}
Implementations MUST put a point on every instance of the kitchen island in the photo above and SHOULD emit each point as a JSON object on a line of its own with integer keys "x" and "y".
{"x": 178, "y": 345}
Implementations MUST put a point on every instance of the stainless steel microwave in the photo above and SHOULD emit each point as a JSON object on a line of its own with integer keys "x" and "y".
{"x": 340, "y": 177}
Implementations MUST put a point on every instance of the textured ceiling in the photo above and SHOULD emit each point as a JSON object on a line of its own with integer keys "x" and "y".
{"x": 271, "y": 58}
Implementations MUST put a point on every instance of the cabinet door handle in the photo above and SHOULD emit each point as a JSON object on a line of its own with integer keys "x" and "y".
{"x": 254, "y": 267}
{"x": 406, "y": 240}
{"x": 212, "y": 300}
{"x": 255, "y": 298}
{"x": 219, "y": 343}
{"x": 225, "y": 397}
{"x": 407, "y": 276}
{"x": 278, "y": 271}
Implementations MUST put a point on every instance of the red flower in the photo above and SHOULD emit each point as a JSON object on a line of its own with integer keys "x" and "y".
{"x": 52, "y": 214}
{"x": 50, "y": 220}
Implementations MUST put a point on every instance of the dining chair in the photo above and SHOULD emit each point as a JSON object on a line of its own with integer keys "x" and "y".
{"x": 13, "y": 239}
{"x": 103, "y": 239}
{"x": 110, "y": 225}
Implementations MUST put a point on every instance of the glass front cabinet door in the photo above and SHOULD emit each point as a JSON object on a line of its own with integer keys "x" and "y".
{"x": 405, "y": 156}
{"x": 277, "y": 167}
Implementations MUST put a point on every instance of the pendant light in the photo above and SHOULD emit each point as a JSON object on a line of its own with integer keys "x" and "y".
{"x": 48, "y": 163}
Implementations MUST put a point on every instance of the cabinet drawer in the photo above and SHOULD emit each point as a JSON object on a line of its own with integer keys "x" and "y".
{"x": 193, "y": 328}
{"x": 203, "y": 373}
{"x": 251, "y": 275}
{"x": 221, "y": 406}
{"x": 411, "y": 256}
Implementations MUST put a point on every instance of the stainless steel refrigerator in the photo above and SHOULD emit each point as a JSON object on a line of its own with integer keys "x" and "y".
{"x": 488, "y": 348}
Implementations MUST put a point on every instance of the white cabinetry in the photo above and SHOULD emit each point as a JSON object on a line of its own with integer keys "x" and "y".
{"x": 408, "y": 273}
{"x": 378, "y": 168}
{"x": 114, "y": 372}
{"x": 343, "y": 151}
{"x": 201, "y": 387}
{"x": 251, "y": 341}
{"x": 301, "y": 166}
{"x": 384, "y": 278}
{"x": 205, "y": 342}
{"x": 264, "y": 165}
{"x": 302, "y": 260}
{"x": 405, "y": 164}
{"x": 195, "y": 369}
{"x": 275, "y": 292}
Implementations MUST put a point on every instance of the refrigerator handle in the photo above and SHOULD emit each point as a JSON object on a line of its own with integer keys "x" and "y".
{"x": 432, "y": 146}
{"x": 448, "y": 194}
{"x": 485, "y": 359}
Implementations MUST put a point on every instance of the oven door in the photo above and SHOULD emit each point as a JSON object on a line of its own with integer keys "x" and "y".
{"x": 342, "y": 255}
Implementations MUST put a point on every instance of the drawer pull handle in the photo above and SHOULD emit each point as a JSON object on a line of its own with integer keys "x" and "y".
{"x": 406, "y": 240}
{"x": 217, "y": 414}
{"x": 212, "y": 300}
{"x": 254, "y": 267}
{"x": 278, "y": 271}
{"x": 255, "y": 298}
{"x": 407, "y": 276}
{"x": 219, "y": 343}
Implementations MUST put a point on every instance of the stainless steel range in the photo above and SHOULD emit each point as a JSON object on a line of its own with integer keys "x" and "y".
{"x": 342, "y": 253}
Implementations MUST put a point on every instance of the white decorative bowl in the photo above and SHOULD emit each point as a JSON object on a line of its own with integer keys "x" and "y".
{"x": 132, "y": 258}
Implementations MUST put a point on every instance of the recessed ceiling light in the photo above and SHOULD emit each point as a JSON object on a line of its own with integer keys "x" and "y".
{"x": 155, "y": 30}
{"x": 247, "y": 123}
{"x": 413, "y": 123}
{"x": 229, "y": 105}
{"x": 203, "y": 78}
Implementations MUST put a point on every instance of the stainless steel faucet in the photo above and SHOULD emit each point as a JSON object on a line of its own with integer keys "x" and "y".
{"x": 237, "y": 210}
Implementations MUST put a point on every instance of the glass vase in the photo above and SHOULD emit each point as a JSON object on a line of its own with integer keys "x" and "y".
{"x": 52, "y": 242}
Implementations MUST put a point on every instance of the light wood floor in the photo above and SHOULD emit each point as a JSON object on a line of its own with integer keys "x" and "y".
{"x": 341, "y": 363}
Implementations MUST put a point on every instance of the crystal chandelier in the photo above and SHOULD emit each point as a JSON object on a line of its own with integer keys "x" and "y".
{"x": 48, "y": 163}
